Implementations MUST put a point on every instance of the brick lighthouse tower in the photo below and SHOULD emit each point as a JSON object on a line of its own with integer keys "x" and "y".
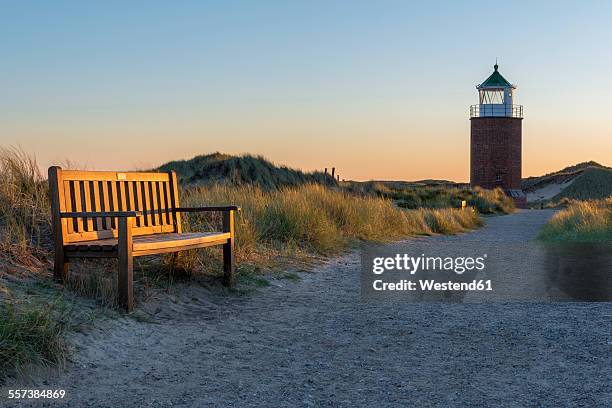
{"x": 496, "y": 133}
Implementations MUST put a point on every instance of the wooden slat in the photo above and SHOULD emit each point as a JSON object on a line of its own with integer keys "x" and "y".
{"x": 155, "y": 204}
{"x": 96, "y": 204}
{"x": 96, "y": 214}
{"x": 161, "y": 199}
{"x": 157, "y": 251}
{"x": 110, "y": 233}
{"x": 78, "y": 206}
{"x": 138, "y": 202}
{"x": 175, "y": 202}
{"x": 114, "y": 202}
{"x": 68, "y": 206}
{"x": 151, "y": 241}
{"x": 168, "y": 189}
{"x": 87, "y": 201}
{"x": 91, "y": 254}
{"x": 162, "y": 204}
{"x": 159, "y": 241}
{"x": 79, "y": 175}
{"x": 147, "y": 245}
{"x": 130, "y": 192}
{"x": 147, "y": 203}
{"x": 208, "y": 208}
{"x": 153, "y": 201}
{"x": 106, "y": 202}
{"x": 98, "y": 244}
{"x": 122, "y": 196}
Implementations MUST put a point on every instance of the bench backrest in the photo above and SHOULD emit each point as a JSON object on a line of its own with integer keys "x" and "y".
{"x": 76, "y": 191}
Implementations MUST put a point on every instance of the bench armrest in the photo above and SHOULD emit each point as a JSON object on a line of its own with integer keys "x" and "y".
{"x": 209, "y": 208}
{"x": 96, "y": 214}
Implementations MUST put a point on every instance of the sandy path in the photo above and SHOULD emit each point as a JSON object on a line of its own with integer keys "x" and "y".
{"x": 314, "y": 343}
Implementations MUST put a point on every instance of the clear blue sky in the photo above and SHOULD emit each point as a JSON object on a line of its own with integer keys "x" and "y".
{"x": 377, "y": 89}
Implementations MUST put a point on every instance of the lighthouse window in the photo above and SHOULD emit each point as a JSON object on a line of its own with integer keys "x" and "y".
{"x": 492, "y": 96}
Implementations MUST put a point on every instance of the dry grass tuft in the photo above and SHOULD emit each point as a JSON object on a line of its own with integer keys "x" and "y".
{"x": 491, "y": 201}
{"x": 581, "y": 221}
{"x": 31, "y": 333}
{"x": 24, "y": 209}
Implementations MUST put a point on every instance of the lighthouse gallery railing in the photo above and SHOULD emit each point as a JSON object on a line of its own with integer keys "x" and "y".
{"x": 496, "y": 110}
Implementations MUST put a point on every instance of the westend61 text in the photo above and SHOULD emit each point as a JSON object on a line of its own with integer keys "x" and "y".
{"x": 432, "y": 285}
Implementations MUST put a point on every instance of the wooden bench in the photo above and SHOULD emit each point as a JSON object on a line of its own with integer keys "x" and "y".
{"x": 98, "y": 214}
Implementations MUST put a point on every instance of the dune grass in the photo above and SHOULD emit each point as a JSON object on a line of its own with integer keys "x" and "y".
{"x": 593, "y": 183}
{"x": 319, "y": 219}
{"x": 24, "y": 210}
{"x": 581, "y": 221}
{"x": 489, "y": 201}
{"x": 485, "y": 201}
{"x": 218, "y": 168}
{"x": 31, "y": 334}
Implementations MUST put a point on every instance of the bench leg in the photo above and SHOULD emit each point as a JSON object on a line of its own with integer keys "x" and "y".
{"x": 125, "y": 282}
{"x": 228, "y": 249}
{"x": 228, "y": 264}
{"x": 60, "y": 268}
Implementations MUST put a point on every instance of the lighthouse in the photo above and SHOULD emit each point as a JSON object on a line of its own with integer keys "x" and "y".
{"x": 496, "y": 138}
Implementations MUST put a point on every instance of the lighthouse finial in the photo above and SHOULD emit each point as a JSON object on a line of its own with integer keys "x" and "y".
{"x": 496, "y": 66}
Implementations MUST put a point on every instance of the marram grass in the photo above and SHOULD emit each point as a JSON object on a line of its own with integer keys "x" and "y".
{"x": 415, "y": 197}
{"x": 581, "y": 221}
{"x": 24, "y": 207}
{"x": 31, "y": 334}
{"x": 320, "y": 219}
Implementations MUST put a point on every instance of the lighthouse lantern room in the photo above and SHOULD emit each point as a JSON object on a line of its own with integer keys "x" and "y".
{"x": 496, "y": 96}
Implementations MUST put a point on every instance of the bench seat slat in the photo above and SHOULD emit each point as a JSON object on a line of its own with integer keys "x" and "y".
{"x": 152, "y": 242}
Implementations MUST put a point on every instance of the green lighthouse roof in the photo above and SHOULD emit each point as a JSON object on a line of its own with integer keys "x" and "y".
{"x": 495, "y": 80}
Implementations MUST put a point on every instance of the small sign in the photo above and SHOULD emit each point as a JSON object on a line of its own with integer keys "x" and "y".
{"x": 463, "y": 204}
{"x": 120, "y": 176}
